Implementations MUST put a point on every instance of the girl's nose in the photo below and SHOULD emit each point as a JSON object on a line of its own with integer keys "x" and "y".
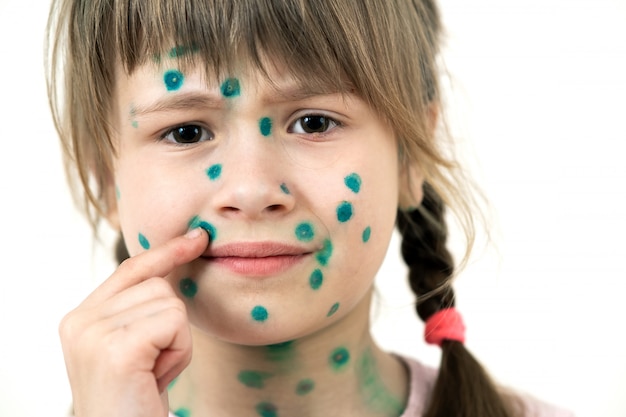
{"x": 254, "y": 184}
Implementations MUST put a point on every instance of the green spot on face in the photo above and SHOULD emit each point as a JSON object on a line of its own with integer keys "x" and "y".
{"x": 305, "y": 386}
{"x": 135, "y": 124}
{"x": 266, "y": 409}
{"x": 214, "y": 172}
{"x": 230, "y": 88}
{"x": 173, "y": 80}
{"x": 325, "y": 253}
{"x": 344, "y": 212}
{"x": 253, "y": 379}
{"x": 333, "y": 310}
{"x": 366, "y": 234}
{"x": 143, "y": 242}
{"x": 196, "y": 221}
{"x": 188, "y": 287}
{"x": 259, "y": 313}
{"x": 305, "y": 232}
{"x": 353, "y": 182}
{"x": 265, "y": 125}
{"x": 339, "y": 358}
{"x": 171, "y": 384}
{"x": 118, "y": 195}
{"x": 316, "y": 279}
{"x": 182, "y": 412}
{"x": 284, "y": 188}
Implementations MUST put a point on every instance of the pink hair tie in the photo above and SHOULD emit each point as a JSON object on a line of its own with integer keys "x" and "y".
{"x": 446, "y": 324}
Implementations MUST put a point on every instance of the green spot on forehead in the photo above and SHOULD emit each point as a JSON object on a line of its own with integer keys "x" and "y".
{"x": 265, "y": 125}
{"x": 188, "y": 287}
{"x": 339, "y": 358}
{"x": 214, "y": 172}
{"x": 173, "y": 80}
{"x": 259, "y": 313}
{"x": 344, "y": 211}
{"x": 305, "y": 232}
{"x": 231, "y": 88}
{"x": 253, "y": 379}
{"x": 143, "y": 241}
{"x": 324, "y": 254}
{"x": 353, "y": 182}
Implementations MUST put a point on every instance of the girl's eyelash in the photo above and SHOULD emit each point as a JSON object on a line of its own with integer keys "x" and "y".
{"x": 187, "y": 134}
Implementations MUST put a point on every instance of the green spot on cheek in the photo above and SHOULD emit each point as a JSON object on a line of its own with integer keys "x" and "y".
{"x": 305, "y": 386}
{"x": 117, "y": 192}
{"x": 182, "y": 412}
{"x": 173, "y": 80}
{"x": 135, "y": 124}
{"x": 333, "y": 310}
{"x": 339, "y": 358}
{"x": 253, "y": 379}
{"x": 214, "y": 172}
{"x": 230, "y": 88}
{"x": 353, "y": 182}
{"x": 196, "y": 221}
{"x": 305, "y": 232}
{"x": 259, "y": 313}
{"x": 344, "y": 212}
{"x": 325, "y": 253}
{"x": 188, "y": 287}
{"x": 316, "y": 279}
{"x": 265, "y": 125}
{"x": 143, "y": 242}
{"x": 266, "y": 409}
{"x": 366, "y": 234}
{"x": 171, "y": 384}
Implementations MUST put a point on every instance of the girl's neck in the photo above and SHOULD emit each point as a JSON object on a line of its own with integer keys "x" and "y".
{"x": 338, "y": 371}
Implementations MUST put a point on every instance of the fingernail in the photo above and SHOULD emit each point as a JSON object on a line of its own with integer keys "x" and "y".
{"x": 194, "y": 233}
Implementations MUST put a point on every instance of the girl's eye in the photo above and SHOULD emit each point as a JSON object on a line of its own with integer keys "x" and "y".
{"x": 188, "y": 134}
{"x": 314, "y": 123}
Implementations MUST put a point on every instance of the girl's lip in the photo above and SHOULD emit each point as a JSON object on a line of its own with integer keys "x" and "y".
{"x": 256, "y": 258}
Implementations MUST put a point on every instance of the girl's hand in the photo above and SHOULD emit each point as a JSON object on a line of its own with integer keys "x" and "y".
{"x": 130, "y": 337}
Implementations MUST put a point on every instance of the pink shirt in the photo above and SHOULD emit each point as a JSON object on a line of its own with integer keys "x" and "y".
{"x": 422, "y": 381}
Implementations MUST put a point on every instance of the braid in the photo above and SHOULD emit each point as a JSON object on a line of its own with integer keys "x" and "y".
{"x": 463, "y": 388}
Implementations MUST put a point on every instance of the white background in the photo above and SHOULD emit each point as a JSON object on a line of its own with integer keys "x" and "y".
{"x": 538, "y": 105}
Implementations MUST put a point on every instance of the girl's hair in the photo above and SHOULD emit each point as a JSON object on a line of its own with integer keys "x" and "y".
{"x": 384, "y": 51}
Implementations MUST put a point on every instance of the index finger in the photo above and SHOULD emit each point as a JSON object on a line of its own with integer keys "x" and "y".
{"x": 157, "y": 262}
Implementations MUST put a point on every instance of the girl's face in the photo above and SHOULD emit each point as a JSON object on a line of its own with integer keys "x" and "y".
{"x": 298, "y": 191}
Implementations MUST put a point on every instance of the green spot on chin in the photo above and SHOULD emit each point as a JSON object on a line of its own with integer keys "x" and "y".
{"x": 324, "y": 254}
{"x": 305, "y": 386}
{"x": 230, "y": 88}
{"x": 143, "y": 242}
{"x": 344, "y": 212}
{"x": 182, "y": 412}
{"x": 366, "y": 234}
{"x": 259, "y": 313}
{"x": 253, "y": 379}
{"x": 214, "y": 171}
{"x": 196, "y": 221}
{"x": 333, "y": 310}
{"x": 316, "y": 279}
{"x": 266, "y": 409}
{"x": 353, "y": 182}
{"x": 188, "y": 287}
{"x": 305, "y": 232}
{"x": 173, "y": 80}
{"x": 265, "y": 125}
{"x": 339, "y": 358}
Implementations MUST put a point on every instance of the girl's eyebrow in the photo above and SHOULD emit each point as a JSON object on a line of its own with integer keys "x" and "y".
{"x": 179, "y": 101}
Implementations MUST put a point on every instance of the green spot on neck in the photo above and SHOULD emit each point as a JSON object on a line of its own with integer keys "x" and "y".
{"x": 305, "y": 386}
{"x": 373, "y": 390}
{"x": 266, "y": 409}
{"x": 280, "y": 352}
{"x": 339, "y": 358}
{"x": 253, "y": 379}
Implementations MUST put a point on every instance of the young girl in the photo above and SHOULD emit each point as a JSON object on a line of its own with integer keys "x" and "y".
{"x": 255, "y": 157}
